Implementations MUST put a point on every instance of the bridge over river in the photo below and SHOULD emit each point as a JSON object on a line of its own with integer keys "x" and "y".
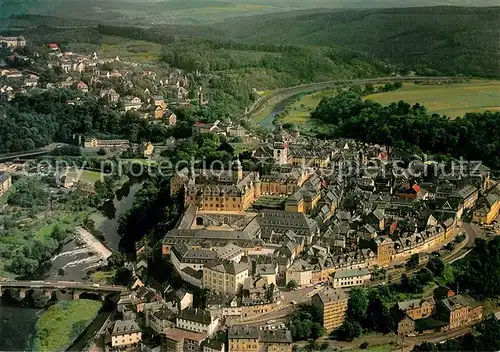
{"x": 49, "y": 287}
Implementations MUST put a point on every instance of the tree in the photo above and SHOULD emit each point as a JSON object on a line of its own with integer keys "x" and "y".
{"x": 317, "y": 330}
{"x": 358, "y": 304}
{"x": 292, "y": 285}
{"x": 102, "y": 152}
{"x": 436, "y": 265}
{"x": 349, "y": 330}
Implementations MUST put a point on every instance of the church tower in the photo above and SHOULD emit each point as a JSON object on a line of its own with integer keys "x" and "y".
{"x": 280, "y": 147}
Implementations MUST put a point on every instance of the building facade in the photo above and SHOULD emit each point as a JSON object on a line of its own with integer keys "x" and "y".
{"x": 224, "y": 277}
{"x": 332, "y": 304}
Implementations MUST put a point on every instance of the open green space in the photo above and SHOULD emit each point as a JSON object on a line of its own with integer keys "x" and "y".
{"x": 59, "y": 326}
{"x": 87, "y": 176}
{"x": 300, "y": 110}
{"x": 133, "y": 50}
{"x": 452, "y": 100}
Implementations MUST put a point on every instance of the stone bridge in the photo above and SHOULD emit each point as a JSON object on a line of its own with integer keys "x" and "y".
{"x": 49, "y": 287}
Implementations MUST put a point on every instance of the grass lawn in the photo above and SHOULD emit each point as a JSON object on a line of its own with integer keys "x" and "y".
{"x": 86, "y": 176}
{"x": 59, "y": 326}
{"x": 300, "y": 110}
{"x": 127, "y": 49}
{"x": 452, "y": 100}
{"x": 377, "y": 348}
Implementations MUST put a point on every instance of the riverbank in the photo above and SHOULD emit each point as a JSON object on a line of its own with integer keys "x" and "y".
{"x": 62, "y": 323}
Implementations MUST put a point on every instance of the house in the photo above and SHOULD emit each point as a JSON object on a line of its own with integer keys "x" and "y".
{"x": 110, "y": 95}
{"x": 488, "y": 207}
{"x": 252, "y": 339}
{"x": 53, "y": 46}
{"x": 224, "y": 276}
{"x": 459, "y": 311}
{"x": 105, "y": 143}
{"x": 177, "y": 340}
{"x": 268, "y": 272}
{"x": 5, "y": 183}
{"x": 385, "y": 250}
{"x": 197, "y": 320}
{"x": 170, "y": 118}
{"x": 417, "y": 308}
{"x": 212, "y": 345}
{"x": 132, "y": 103}
{"x": 160, "y": 319}
{"x": 126, "y": 334}
{"x": 300, "y": 272}
{"x": 13, "y": 42}
{"x": 230, "y": 252}
{"x": 82, "y": 87}
{"x": 332, "y": 305}
{"x": 351, "y": 277}
{"x": 183, "y": 299}
{"x": 147, "y": 149}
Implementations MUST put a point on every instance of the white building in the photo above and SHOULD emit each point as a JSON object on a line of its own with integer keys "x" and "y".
{"x": 197, "y": 320}
{"x": 230, "y": 252}
{"x": 182, "y": 257}
{"x": 351, "y": 277}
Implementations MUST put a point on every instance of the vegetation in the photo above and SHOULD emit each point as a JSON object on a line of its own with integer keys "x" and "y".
{"x": 59, "y": 326}
{"x": 452, "y": 100}
{"x": 485, "y": 338}
{"x": 428, "y": 40}
{"x": 475, "y": 136}
{"x": 305, "y": 324}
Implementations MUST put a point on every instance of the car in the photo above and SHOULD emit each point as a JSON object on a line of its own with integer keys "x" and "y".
{"x": 293, "y": 302}
{"x": 95, "y": 285}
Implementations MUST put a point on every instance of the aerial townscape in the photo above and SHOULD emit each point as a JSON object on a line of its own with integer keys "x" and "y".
{"x": 232, "y": 176}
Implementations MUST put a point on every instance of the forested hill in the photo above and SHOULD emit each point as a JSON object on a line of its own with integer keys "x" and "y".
{"x": 451, "y": 40}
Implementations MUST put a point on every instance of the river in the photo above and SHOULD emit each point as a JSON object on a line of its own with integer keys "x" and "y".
{"x": 17, "y": 319}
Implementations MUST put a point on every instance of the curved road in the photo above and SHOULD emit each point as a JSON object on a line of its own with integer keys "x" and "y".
{"x": 285, "y": 93}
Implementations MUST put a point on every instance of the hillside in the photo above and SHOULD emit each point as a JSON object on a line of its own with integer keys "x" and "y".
{"x": 452, "y": 40}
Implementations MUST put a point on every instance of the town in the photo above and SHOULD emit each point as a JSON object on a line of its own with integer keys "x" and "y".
{"x": 291, "y": 226}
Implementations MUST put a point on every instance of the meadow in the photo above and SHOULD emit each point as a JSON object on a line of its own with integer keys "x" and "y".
{"x": 451, "y": 100}
{"x": 128, "y": 49}
{"x": 60, "y": 325}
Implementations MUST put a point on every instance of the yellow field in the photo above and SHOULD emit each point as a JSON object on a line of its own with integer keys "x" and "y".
{"x": 451, "y": 100}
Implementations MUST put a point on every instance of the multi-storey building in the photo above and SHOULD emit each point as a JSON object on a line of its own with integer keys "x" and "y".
{"x": 125, "y": 334}
{"x": 351, "y": 277}
{"x": 14, "y": 42}
{"x": 251, "y": 339}
{"x": 183, "y": 257}
{"x": 459, "y": 310}
{"x": 197, "y": 320}
{"x": 418, "y": 308}
{"x": 177, "y": 340}
{"x": 224, "y": 277}
{"x": 385, "y": 250}
{"x": 332, "y": 304}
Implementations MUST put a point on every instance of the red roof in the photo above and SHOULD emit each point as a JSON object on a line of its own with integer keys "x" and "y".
{"x": 416, "y": 188}
{"x": 53, "y": 46}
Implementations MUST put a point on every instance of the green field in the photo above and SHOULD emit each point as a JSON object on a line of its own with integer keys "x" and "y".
{"x": 300, "y": 110}
{"x": 450, "y": 100}
{"x": 59, "y": 326}
{"x": 86, "y": 176}
{"x": 127, "y": 49}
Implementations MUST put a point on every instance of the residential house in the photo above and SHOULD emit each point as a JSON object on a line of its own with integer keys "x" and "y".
{"x": 132, "y": 103}
{"x": 160, "y": 319}
{"x": 110, "y": 95}
{"x": 82, "y": 87}
{"x": 300, "y": 272}
{"x": 197, "y": 320}
{"x": 125, "y": 334}
{"x": 252, "y": 339}
{"x": 13, "y": 42}
{"x": 268, "y": 272}
{"x": 212, "y": 345}
{"x": 418, "y": 308}
{"x": 177, "y": 340}
{"x": 147, "y": 149}
{"x": 459, "y": 311}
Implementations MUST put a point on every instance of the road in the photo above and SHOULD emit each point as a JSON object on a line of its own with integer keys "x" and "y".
{"x": 286, "y": 93}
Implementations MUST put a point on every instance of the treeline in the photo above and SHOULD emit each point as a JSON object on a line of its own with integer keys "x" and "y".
{"x": 476, "y": 136}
